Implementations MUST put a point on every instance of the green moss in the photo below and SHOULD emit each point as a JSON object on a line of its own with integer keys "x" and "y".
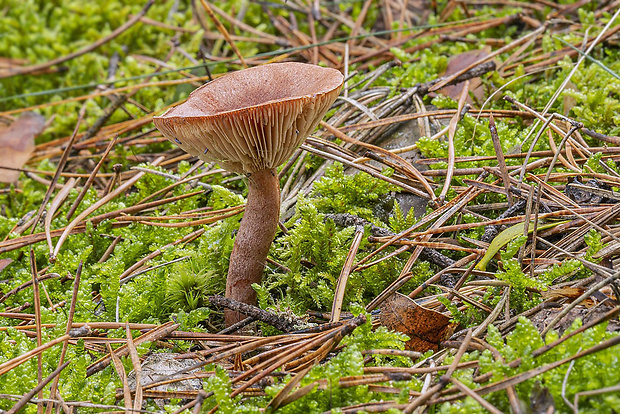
{"x": 314, "y": 249}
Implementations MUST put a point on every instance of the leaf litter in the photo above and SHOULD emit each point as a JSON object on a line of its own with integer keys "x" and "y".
{"x": 514, "y": 245}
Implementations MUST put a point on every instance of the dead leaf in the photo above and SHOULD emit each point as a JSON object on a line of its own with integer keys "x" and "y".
{"x": 456, "y": 64}
{"x": 17, "y": 144}
{"x": 572, "y": 293}
{"x": 564, "y": 292}
{"x": 4, "y": 263}
{"x": 426, "y": 327}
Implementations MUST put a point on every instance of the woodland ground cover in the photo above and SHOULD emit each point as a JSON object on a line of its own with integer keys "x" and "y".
{"x": 154, "y": 255}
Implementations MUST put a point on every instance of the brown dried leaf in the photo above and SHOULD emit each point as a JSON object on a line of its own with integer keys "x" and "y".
{"x": 17, "y": 144}
{"x": 564, "y": 292}
{"x": 4, "y": 263}
{"x": 456, "y": 64}
{"x": 426, "y": 327}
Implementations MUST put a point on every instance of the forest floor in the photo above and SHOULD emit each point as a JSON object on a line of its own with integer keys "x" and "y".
{"x": 448, "y": 235}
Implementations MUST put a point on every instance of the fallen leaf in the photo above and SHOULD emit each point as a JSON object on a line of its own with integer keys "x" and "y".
{"x": 426, "y": 327}
{"x": 17, "y": 144}
{"x": 506, "y": 236}
{"x": 572, "y": 293}
{"x": 4, "y": 263}
{"x": 456, "y": 64}
{"x": 564, "y": 292}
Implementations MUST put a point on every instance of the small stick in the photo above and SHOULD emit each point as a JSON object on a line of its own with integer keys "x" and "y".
{"x": 284, "y": 324}
{"x": 526, "y": 223}
{"x": 235, "y": 327}
{"x": 108, "y": 252}
{"x": 557, "y": 154}
{"x": 538, "y": 190}
{"x": 199, "y": 400}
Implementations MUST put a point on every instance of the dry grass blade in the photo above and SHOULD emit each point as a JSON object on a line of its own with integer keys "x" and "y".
{"x": 445, "y": 213}
{"x": 451, "y": 207}
{"x": 220, "y": 27}
{"x": 120, "y": 371}
{"x": 90, "y": 179}
{"x": 451, "y": 150}
{"x": 137, "y": 368}
{"x": 56, "y": 203}
{"x": 500, "y": 158}
{"x": 404, "y": 164}
{"x": 419, "y": 401}
{"x": 278, "y": 400}
{"x": 519, "y": 378}
{"x": 470, "y": 393}
{"x": 59, "y": 168}
{"x": 493, "y": 315}
{"x": 63, "y": 353}
{"x": 365, "y": 169}
{"x": 152, "y": 335}
{"x": 264, "y": 369}
{"x": 97, "y": 205}
{"x": 578, "y": 395}
{"x": 299, "y": 393}
{"x": 127, "y": 274}
{"x": 179, "y": 181}
{"x": 12, "y": 363}
{"x": 37, "y": 319}
{"x": 208, "y": 220}
{"x": 344, "y": 275}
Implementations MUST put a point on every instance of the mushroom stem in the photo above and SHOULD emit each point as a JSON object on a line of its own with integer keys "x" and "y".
{"x": 256, "y": 232}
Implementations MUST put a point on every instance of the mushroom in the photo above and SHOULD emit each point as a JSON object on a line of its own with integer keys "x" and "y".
{"x": 250, "y": 122}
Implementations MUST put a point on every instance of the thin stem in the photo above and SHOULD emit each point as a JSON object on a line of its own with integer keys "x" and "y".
{"x": 256, "y": 232}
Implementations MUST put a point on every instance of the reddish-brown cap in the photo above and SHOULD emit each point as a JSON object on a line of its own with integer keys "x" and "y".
{"x": 254, "y": 118}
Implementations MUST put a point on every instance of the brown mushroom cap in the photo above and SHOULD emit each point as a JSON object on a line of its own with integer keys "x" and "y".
{"x": 255, "y": 118}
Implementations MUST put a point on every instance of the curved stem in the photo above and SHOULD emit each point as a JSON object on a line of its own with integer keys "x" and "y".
{"x": 256, "y": 232}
